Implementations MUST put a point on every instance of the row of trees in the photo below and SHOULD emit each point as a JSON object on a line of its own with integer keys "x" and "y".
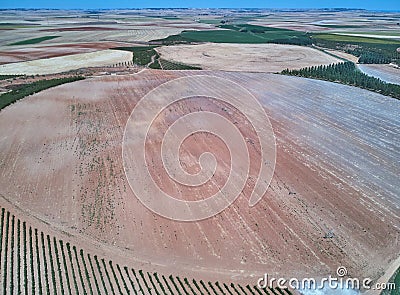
{"x": 347, "y": 73}
{"x": 303, "y": 40}
{"x": 368, "y": 53}
{"x": 374, "y": 58}
{"x": 31, "y": 88}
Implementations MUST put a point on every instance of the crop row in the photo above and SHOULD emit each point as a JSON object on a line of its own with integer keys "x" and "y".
{"x": 33, "y": 262}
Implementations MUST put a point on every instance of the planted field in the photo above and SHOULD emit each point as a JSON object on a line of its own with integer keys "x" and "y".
{"x": 354, "y": 38}
{"x": 240, "y": 34}
{"x": 67, "y": 63}
{"x": 45, "y": 264}
{"x": 73, "y": 217}
{"x": 148, "y": 56}
{"x": 11, "y": 55}
{"x": 34, "y": 40}
{"x": 368, "y": 50}
{"x": 378, "y": 34}
{"x": 61, "y": 161}
{"x": 4, "y": 77}
{"x": 123, "y": 34}
{"x": 85, "y": 34}
{"x": 169, "y": 65}
{"x": 270, "y": 34}
{"x": 142, "y": 55}
{"x": 246, "y": 57}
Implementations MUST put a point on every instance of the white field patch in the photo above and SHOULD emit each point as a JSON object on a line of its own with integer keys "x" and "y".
{"x": 371, "y": 35}
{"x": 66, "y": 63}
{"x": 270, "y": 58}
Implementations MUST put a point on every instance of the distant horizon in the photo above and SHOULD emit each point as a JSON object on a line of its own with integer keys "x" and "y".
{"x": 194, "y": 8}
{"x": 202, "y": 8}
{"x": 387, "y": 5}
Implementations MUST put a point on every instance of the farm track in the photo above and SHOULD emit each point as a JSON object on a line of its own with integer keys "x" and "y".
{"x": 335, "y": 171}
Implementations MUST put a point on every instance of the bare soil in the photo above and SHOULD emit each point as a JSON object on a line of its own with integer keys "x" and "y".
{"x": 67, "y": 63}
{"x": 61, "y": 162}
{"x": 270, "y": 58}
{"x": 388, "y": 73}
{"x": 80, "y": 29}
{"x": 344, "y": 55}
{"x": 11, "y": 55}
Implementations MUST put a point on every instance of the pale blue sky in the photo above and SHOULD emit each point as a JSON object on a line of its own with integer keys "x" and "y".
{"x": 87, "y": 4}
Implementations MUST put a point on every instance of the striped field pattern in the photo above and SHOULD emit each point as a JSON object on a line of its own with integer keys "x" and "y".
{"x": 33, "y": 262}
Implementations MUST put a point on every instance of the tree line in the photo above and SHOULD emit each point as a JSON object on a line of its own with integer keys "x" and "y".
{"x": 368, "y": 53}
{"x": 347, "y": 73}
{"x": 31, "y": 88}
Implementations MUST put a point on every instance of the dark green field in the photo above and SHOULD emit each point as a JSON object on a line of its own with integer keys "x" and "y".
{"x": 211, "y": 21}
{"x": 34, "y": 40}
{"x": 241, "y": 33}
{"x": 169, "y": 65}
{"x": 3, "y": 77}
{"x": 142, "y": 55}
{"x": 369, "y": 50}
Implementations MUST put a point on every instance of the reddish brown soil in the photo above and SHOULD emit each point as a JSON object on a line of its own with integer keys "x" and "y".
{"x": 78, "y": 29}
{"x": 32, "y": 53}
{"x": 61, "y": 161}
{"x": 16, "y": 82}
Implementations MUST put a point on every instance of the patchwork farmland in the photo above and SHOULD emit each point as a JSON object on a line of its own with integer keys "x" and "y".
{"x": 71, "y": 221}
{"x": 67, "y": 63}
